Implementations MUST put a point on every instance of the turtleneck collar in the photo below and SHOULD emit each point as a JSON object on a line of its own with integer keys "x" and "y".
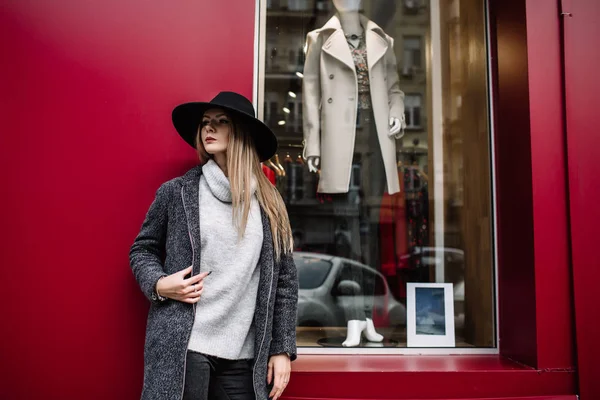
{"x": 219, "y": 183}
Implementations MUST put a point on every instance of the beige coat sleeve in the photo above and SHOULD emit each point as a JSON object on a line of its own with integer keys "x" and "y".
{"x": 311, "y": 96}
{"x": 395, "y": 95}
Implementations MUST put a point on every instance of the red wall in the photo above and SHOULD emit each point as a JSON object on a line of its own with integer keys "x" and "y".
{"x": 582, "y": 94}
{"x": 87, "y": 90}
{"x": 534, "y": 290}
{"x": 553, "y": 289}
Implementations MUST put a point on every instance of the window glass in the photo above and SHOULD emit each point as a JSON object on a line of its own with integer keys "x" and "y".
{"x": 412, "y": 54}
{"x": 412, "y": 110}
{"x": 312, "y": 271}
{"x": 381, "y": 112}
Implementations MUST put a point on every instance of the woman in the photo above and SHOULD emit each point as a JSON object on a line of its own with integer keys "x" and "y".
{"x": 214, "y": 256}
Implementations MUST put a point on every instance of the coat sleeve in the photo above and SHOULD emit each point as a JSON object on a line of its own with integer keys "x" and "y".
{"x": 286, "y": 309}
{"x": 146, "y": 253}
{"x": 395, "y": 95}
{"x": 311, "y": 96}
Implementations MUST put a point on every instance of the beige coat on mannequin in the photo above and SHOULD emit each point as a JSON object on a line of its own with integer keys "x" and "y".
{"x": 330, "y": 93}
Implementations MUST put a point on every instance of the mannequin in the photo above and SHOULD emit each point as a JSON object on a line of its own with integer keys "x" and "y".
{"x": 352, "y": 54}
{"x": 350, "y": 21}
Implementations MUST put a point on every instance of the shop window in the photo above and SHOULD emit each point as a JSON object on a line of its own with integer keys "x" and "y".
{"x": 377, "y": 212}
{"x": 412, "y": 55}
{"x": 412, "y": 111}
{"x": 413, "y": 6}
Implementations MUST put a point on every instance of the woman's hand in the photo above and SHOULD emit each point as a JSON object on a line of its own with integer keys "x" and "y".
{"x": 176, "y": 287}
{"x": 279, "y": 369}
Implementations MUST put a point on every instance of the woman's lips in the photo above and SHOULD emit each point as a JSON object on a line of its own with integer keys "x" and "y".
{"x": 210, "y": 140}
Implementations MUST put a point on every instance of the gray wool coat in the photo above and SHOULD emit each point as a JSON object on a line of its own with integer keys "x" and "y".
{"x": 168, "y": 242}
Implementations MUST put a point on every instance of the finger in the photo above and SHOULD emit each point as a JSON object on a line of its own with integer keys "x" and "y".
{"x": 193, "y": 295}
{"x": 190, "y": 300}
{"x": 195, "y": 278}
{"x": 269, "y": 373}
{"x": 279, "y": 385}
{"x": 284, "y": 380}
{"x": 273, "y": 392}
{"x": 196, "y": 287}
{"x": 279, "y": 388}
{"x": 185, "y": 271}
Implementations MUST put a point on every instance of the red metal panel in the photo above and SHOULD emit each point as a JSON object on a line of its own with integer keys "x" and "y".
{"x": 87, "y": 88}
{"x": 570, "y": 397}
{"x": 422, "y": 377}
{"x": 514, "y": 197}
{"x": 554, "y": 319}
{"x": 582, "y": 92}
{"x": 534, "y": 286}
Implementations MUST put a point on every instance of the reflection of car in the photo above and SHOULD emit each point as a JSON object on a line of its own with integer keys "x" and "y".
{"x": 326, "y": 292}
{"x": 423, "y": 259}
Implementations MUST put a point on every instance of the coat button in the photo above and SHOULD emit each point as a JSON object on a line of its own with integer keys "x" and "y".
{"x": 331, "y": 76}
{"x": 330, "y": 100}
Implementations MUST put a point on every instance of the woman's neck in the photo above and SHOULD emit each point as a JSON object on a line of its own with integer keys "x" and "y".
{"x": 221, "y": 160}
{"x": 350, "y": 22}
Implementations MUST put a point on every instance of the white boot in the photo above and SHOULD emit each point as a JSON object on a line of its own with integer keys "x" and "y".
{"x": 370, "y": 332}
{"x": 355, "y": 328}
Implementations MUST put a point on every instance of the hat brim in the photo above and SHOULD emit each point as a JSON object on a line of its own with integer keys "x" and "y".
{"x": 187, "y": 117}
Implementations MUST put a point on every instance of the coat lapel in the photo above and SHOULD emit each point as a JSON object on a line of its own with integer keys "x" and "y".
{"x": 190, "y": 190}
{"x": 377, "y": 46}
{"x": 336, "y": 44}
{"x": 267, "y": 254}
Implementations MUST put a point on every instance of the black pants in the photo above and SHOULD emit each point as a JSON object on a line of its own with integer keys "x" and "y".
{"x": 213, "y": 378}
{"x": 362, "y": 247}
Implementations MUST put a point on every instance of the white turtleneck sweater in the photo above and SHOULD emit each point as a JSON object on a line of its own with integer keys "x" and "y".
{"x": 223, "y": 325}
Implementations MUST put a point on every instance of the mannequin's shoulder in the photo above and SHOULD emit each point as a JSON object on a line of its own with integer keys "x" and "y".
{"x": 314, "y": 36}
{"x": 389, "y": 39}
{"x": 318, "y": 37}
{"x": 378, "y": 30}
{"x": 325, "y": 30}
{"x": 384, "y": 35}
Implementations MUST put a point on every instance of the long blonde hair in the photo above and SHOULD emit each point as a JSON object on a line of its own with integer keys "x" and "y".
{"x": 242, "y": 165}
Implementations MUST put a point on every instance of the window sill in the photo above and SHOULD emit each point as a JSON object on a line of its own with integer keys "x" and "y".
{"x": 423, "y": 377}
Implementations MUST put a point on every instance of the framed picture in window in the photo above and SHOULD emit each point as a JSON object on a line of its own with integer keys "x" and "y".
{"x": 430, "y": 315}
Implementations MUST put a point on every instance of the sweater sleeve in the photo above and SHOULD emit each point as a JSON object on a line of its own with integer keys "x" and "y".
{"x": 146, "y": 253}
{"x": 286, "y": 305}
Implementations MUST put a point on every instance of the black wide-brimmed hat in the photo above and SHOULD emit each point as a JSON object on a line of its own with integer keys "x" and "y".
{"x": 187, "y": 118}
